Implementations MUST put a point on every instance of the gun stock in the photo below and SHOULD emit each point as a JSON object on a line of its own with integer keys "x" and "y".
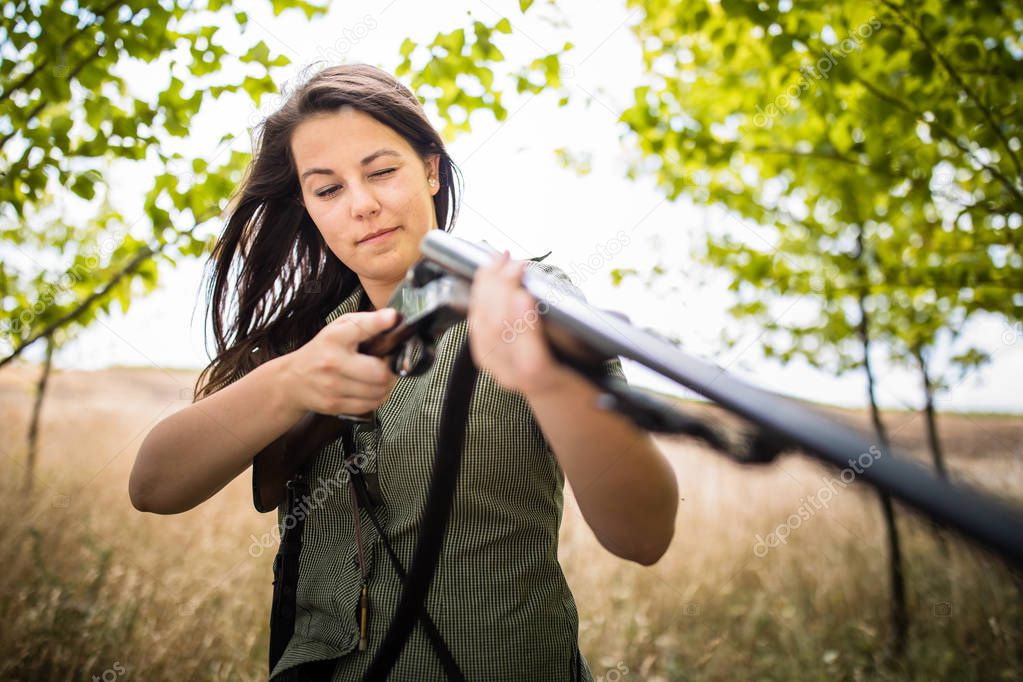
{"x": 275, "y": 464}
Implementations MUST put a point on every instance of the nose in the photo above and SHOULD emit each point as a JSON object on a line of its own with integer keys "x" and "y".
{"x": 364, "y": 201}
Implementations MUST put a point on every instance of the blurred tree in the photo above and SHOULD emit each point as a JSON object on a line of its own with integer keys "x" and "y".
{"x": 843, "y": 124}
{"x": 68, "y": 113}
{"x": 877, "y": 148}
{"x": 454, "y": 73}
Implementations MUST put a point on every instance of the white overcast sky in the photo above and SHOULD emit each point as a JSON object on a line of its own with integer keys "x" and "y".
{"x": 518, "y": 197}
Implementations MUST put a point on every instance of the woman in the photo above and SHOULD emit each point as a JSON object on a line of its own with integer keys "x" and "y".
{"x": 347, "y": 178}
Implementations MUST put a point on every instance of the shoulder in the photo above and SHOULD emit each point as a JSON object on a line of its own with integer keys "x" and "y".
{"x": 561, "y": 278}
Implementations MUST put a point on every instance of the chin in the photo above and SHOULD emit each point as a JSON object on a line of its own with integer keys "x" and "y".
{"x": 393, "y": 270}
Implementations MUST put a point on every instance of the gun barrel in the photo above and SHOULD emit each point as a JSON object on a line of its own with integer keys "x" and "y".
{"x": 990, "y": 522}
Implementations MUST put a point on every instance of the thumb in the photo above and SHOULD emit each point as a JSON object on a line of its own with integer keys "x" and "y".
{"x": 366, "y": 325}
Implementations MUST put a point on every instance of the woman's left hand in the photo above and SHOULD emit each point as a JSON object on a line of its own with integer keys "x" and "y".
{"x": 632, "y": 513}
{"x": 506, "y": 329}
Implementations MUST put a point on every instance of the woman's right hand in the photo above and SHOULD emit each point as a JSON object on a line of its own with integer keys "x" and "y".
{"x": 329, "y": 376}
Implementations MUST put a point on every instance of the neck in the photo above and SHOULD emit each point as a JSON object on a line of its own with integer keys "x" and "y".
{"x": 379, "y": 293}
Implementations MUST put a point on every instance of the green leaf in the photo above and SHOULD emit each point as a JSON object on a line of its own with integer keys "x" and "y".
{"x": 618, "y": 275}
{"x": 922, "y": 62}
{"x": 968, "y": 51}
{"x": 84, "y": 186}
{"x": 781, "y": 45}
{"x": 258, "y": 53}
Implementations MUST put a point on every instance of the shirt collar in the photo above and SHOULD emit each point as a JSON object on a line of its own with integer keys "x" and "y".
{"x": 349, "y": 305}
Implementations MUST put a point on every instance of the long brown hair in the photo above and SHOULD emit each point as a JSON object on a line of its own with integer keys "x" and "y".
{"x": 271, "y": 278}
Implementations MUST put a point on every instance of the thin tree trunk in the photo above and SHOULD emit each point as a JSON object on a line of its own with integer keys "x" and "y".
{"x": 37, "y": 407}
{"x": 932, "y": 420}
{"x": 898, "y": 615}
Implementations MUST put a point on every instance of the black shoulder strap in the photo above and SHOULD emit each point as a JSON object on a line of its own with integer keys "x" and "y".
{"x": 282, "y": 609}
{"x": 369, "y": 502}
{"x": 446, "y": 466}
{"x": 410, "y": 609}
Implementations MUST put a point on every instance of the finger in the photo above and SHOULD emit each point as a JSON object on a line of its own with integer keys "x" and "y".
{"x": 513, "y": 270}
{"x": 498, "y": 261}
{"x": 499, "y": 272}
{"x": 522, "y": 303}
{"x": 362, "y": 326}
{"x": 351, "y": 407}
{"x": 487, "y": 270}
{"x": 508, "y": 264}
{"x": 367, "y": 369}
{"x": 353, "y": 388}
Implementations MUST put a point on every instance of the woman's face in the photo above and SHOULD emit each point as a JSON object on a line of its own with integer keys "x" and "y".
{"x": 359, "y": 178}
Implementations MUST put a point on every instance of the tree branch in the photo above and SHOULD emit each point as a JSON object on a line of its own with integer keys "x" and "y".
{"x": 943, "y": 131}
{"x": 960, "y": 82}
{"x": 830, "y": 156}
{"x": 4, "y": 96}
{"x": 136, "y": 262}
{"x": 43, "y": 102}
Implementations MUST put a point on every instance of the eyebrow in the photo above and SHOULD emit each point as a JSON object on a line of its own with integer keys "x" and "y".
{"x": 366, "y": 161}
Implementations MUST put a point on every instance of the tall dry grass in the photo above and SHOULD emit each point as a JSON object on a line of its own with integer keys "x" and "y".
{"x": 91, "y": 589}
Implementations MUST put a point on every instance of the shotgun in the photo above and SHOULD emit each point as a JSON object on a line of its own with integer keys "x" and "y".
{"x": 434, "y": 295}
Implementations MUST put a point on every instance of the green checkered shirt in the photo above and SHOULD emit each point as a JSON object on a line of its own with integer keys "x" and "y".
{"x": 499, "y": 598}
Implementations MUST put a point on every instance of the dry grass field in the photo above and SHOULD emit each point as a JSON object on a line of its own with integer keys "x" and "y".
{"x": 91, "y": 589}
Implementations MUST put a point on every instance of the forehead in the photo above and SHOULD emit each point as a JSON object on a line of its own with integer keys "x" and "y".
{"x": 342, "y": 137}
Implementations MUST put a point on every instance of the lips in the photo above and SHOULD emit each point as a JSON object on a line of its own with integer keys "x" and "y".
{"x": 376, "y": 234}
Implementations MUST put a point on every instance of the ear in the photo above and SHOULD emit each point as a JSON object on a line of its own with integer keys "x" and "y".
{"x": 433, "y": 172}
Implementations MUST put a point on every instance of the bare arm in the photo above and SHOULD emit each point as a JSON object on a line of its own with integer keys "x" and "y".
{"x": 195, "y": 452}
{"x": 625, "y": 487}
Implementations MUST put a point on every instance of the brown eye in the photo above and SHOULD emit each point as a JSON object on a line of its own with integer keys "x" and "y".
{"x": 328, "y": 192}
